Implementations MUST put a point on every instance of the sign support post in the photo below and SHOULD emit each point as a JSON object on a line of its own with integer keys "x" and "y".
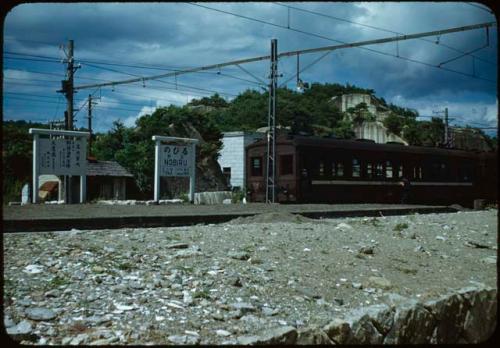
{"x": 59, "y": 157}
{"x": 175, "y": 160}
{"x": 192, "y": 176}
{"x": 83, "y": 188}
{"x": 157, "y": 170}
{"x": 35, "y": 170}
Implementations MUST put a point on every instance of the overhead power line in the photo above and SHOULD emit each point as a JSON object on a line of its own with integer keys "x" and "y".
{"x": 54, "y": 102}
{"x": 381, "y": 29}
{"x": 32, "y": 41}
{"x": 312, "y": 50}
{"x": 403, "y": 37}
{"x": 111, "y": 63}
{"x": 33, "y": 60}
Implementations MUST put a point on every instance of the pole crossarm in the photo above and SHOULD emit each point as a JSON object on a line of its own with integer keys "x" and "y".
{"x": 175, "y": 139}
{"x": 58, "y": 132}
{"x": 292, "y": 53}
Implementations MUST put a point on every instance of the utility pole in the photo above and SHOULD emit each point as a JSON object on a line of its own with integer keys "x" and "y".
{"x": 446, "y": 135}
{"x": 67, "y": 87}
{"x": 90, "y": 125}
{"x": 68, "y": 90}
{"x": 271, "y": 125}
{"x": 447, "y": 141}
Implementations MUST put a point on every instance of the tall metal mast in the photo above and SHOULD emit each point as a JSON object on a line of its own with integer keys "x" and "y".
{"x": 271, "y": 125}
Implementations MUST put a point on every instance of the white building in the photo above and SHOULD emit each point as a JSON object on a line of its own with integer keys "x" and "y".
{"x": 232, "y": 155}
{"x": 373, "y": 130}
{"x": 346, "y": 101}
{"x": 377, "y": 132}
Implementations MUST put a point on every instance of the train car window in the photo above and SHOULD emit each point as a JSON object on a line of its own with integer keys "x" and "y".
{"x": 337, "y": 169}
{"x": 398, "y": 170}
{"x": 388, "y": 169}
{"x": 256, "y": 169}
{"x": 321, "y": 168}
{"x": 379, "y": 170}
{"x": 356, "y": 168}
{"x": 340, "y": 169}
{"x": 369, "y": 170}
{"x": 417, "y": 172}
{"x": 286, "y": 164}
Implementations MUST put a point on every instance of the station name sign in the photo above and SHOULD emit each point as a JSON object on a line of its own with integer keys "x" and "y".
{"x": 176, "y": 160}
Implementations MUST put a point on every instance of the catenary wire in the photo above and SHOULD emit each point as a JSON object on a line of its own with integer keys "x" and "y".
{"x": 380, "y": 29}
{"x": 338, "y": 41}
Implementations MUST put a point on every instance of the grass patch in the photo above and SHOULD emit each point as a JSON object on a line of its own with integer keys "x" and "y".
{"x": 249, "y": 248}
{"x": 401, "y": 226}
{"x": 58, "y": 281}
{"x": 187, "y": 269}
{"x": 125, "y": 266}
{"x": 201, "y": 294}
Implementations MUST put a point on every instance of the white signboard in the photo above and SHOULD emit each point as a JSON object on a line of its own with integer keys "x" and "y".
{"x": 62, "y": 156}
{"x": 176, "y": 160}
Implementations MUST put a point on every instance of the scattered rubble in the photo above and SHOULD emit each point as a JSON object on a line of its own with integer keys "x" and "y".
{"x": 251, "y": 283}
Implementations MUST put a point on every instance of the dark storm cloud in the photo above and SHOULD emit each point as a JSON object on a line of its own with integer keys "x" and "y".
{"x": 181, "y": 35}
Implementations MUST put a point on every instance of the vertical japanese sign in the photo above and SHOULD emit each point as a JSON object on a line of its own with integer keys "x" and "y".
{"x": 176, "y": 160}
{"x": 62, "y": 156}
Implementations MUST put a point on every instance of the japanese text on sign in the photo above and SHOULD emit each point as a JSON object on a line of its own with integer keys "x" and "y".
{"x": 176, "y": 160}
{"x": 62, "y": 156}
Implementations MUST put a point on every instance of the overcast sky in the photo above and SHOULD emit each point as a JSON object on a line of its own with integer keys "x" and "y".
{"x": 111, "y": 38}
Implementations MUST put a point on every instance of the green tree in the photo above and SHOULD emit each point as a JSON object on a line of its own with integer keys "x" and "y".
{"x": 247, "y": 112}
{"x": 17, "y": 149}
{"x": 214, "y": 101}
{"x": 133, "y": 147}
{"x": 344, "y": 130}
{"x": 394, "y": 123}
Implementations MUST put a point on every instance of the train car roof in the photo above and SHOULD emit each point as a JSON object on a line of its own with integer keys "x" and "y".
{"x": 311, "y": 141}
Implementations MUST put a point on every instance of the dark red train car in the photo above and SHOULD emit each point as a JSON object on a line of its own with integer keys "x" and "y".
{"x": 326, "y": 170}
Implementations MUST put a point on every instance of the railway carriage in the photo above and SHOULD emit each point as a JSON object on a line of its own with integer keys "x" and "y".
{"x": 326, "y": 170}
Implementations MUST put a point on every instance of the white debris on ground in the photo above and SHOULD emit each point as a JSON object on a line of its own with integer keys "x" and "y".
{"x": 235, "y": 282}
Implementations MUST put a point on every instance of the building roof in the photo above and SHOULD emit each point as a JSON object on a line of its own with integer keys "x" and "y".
{"x": 311, "y": 141}
{"x": 238, "y": 133}
{"x": 106, "y": 168}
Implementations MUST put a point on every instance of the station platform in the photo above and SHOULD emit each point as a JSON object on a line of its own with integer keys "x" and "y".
{"x": 45, "y": 217}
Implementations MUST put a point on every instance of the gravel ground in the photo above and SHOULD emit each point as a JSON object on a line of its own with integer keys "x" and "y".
{"x": 212, "y": 284}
